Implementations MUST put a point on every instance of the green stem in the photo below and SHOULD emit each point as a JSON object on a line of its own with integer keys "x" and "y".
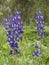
{"x": 15, "y": 59}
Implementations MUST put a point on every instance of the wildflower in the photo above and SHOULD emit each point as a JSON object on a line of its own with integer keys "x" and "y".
{"x": 36, "y": 53}
{"x": 15, "y": 28}
{"x": 40, "y": 24}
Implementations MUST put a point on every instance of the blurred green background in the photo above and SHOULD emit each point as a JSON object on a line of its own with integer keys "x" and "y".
{"x": 28, "y": 10}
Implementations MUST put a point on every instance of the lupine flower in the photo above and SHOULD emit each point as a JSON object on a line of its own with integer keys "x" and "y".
{"x": 14, "y": 52}
{"x": 15, "y": 28}
{"x": 36, "y": 52}
{"x": 40, "y": 30}
{"x": 38, "y": 12}
{"x": 40, "y": 24}
{"x": 36, "y": 46}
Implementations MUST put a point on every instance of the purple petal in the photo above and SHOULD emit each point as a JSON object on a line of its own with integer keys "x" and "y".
{"x": 16, "y": 52}
{"x": 10, "y": 52}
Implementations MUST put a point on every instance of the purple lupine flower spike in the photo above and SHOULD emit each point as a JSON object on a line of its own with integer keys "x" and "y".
{"x": 14, "y": 27}
{"x": 40, "y": 24}
{"x": 40, "y": 30}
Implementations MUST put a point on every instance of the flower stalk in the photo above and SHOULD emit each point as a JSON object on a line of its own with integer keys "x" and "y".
{"x": 15, "y": 28}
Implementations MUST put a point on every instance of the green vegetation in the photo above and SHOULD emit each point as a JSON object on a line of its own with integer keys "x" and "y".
{"x": 26, "y": 47}
{"x": 30, "y": 37}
